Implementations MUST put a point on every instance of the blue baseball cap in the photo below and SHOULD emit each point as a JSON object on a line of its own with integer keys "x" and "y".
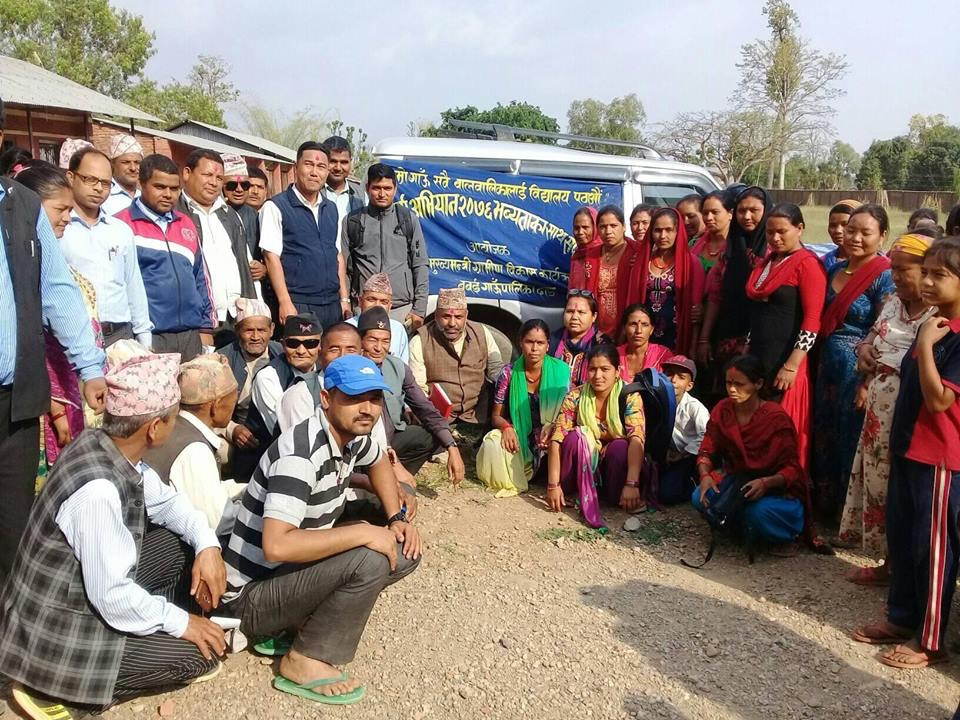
{"x": 353, "y": 375}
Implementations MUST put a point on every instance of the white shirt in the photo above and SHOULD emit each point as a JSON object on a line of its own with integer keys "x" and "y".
{"x": 297, "y": 404}
{"x": 342, "y": 201}
{"x": 399, "y": 341}
{"x": 118, "y": 200}
{"x": 218, "y": 253}
{"x": 690, "y": 425}
{"x": 196, "y": 474}
{"x": 92, "y": 522}
{"x": 266, "y": 394}
{"x": 271, "y": 223}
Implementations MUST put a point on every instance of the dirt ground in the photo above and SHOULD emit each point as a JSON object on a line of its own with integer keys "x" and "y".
{"x": 519, "y": 613}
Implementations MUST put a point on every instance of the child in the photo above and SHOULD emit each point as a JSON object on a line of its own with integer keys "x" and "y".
{"x": 923, "y": 499}
{"x": 677, "y": 474}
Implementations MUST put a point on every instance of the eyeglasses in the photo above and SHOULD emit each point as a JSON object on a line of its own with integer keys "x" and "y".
{"x": 92, "y": 182}
{"x": 232, "y": 185}
{"x": 580, "y": 293}
{"x": 294, "y": 343}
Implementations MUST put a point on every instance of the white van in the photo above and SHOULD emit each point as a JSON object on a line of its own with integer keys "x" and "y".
{"x": 649, "y": 180}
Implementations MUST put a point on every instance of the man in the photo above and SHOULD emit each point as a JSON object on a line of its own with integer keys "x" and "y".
{"x": 301, "y": 346}
{"x": 289, "y": 567}
{"x": 125, "y": 156}
{"x": 345, "y": 191}
{"x": 413, "y": 444}
{"x": 257, "y": 195}
{"x": 222, "y": 236}
{"x": 298, "y": 237}
{"x": 690, "y": 208}
{"x": 187, "y": 461}
{"x": 377, "y": 292}
{"x": 101, "y": 248}
{"x": 236, "y": 186}
{"x": 247, "y": 355}
{"x": 86, "y": 614}
{"x": 171, "y": 262}
{"x": 36, "y": 289}
{"x": 383, "y": 237}
{"x": 458, "y": 355}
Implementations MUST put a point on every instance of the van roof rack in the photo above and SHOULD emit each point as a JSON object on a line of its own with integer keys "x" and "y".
{"x": 482, "y": 131}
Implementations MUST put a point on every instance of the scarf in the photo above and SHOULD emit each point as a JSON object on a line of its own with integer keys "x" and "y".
{"x": 580, "y": 279}
{"x": 778, "y": 273}
{"x": 554, "y": 384}
{"x": 743, "y": 248}
{"x": 587, "y": 416}
{"x": 857, "y": 285}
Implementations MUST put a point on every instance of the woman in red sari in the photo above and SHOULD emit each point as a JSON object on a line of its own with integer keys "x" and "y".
{"x": 607, "y": 268}
{"x": 587, "y": 237}
{"x": 668, "y": 278}
{"x": 637, "y": 353}
{"x": 787, "y": 294}
{"x": 717, "y": 214}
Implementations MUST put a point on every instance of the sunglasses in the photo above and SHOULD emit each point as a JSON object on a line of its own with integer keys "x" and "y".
{"x": 580, "y": 293}
{"x": 232, "y": 185}
{"x": 294, "y": 343}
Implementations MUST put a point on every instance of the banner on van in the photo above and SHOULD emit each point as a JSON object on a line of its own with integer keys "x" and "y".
{"x": 496, "y": 235}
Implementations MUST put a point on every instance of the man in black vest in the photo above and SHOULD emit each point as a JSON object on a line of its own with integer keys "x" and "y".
{"x": 298, "y": 237}
{"x": 36, "y": 289}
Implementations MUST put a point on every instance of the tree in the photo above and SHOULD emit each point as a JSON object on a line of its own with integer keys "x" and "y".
{"x": 785, "y": 75}
{"x": 200, "y": 99}
{"x": 728, "y": 142}
{"x": 620, "y": 119}
{"x": 287, "y": 130}
{"x": 87, "y": 41}
{"x": 839, "y": 171}
{"x": 514, "y": 114}
{"x": 884, "y": 164}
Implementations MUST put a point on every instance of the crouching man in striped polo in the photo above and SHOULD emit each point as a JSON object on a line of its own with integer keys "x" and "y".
{"x": 289, "y": 569}
{"x": 86, "y": 616}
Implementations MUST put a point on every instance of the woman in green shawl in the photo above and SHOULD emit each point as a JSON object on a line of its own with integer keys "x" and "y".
{"x": 526, "y": 400}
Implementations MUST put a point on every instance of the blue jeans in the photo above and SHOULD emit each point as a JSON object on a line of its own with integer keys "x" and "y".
{"x": 773, "y": 519}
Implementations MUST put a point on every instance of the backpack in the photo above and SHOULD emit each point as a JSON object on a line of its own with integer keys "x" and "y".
{"x": 355, "y": 237}
{"x": 659, "y": 409}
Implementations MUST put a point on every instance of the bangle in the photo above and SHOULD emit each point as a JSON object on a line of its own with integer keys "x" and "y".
{"x": 789, "y": 369}
{"x": 553, "y": 486}
{"x": 343, "y": 300}
{"x": 58, "y": 416}
{"x": 703, "y": 342}
{"x": 763, "y": 484}
{"x": 633, "y": 484}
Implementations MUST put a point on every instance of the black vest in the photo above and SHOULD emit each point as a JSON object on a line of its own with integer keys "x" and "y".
{"x": 161, "y": 459}
{"x": 19, "y": 211}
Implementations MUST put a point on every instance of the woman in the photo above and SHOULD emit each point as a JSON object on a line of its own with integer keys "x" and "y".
{"x": 856, "y": 290}
{"x": 786, "y": 293}
{"x": 607, "y": 267}
{"x": 525, "y": 402}
{"x": 670, "y": 280}
{"x": 718, "y": 209}
{"x": 579, "y": 334}
{"x": 637, "y": 352}
{"x": 640, "y": 221}
{"x": 863, "y": 522}
{"x": 952, "y": 223}
{"x": 594, "y": 444}
{"x": 837, "y": 221}
{"x": 586, "y": 235}
{"x": 753, "y": 442}
{"x": 66, "y": 417}
{"x": 727, "y": 319}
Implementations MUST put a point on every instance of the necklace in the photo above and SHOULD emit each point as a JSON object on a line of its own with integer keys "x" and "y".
{"x": 608, "y": 255}
{"x": 847, "y": 272}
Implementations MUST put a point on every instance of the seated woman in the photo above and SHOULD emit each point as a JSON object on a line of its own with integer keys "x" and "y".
{"x": 754, "y": 442}
{"x": 526, "y": 400}
{"x": 587, "y": 237}
{"x": 579, "y": 334}
{"x": 596, "y": 444}
{"x": 637, "y": 352}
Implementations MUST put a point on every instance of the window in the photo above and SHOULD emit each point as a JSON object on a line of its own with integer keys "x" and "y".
{"x": 667, "y": 195}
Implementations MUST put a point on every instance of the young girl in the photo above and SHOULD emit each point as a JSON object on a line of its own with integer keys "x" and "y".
{"x": 923, "y": 498}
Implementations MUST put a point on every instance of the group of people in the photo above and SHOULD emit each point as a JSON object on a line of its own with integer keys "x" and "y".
{"x": 215, "y": 405}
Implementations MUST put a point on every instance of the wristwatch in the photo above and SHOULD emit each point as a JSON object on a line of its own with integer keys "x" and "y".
{"x": 399, "y": 517}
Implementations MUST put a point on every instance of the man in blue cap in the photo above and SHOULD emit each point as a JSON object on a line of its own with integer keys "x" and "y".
{"x": 289, "y": 568}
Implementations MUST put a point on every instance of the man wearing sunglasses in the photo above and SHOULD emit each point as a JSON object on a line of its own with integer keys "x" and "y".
{"x": 236, "y": 190}
{"x": 301, "y": 348}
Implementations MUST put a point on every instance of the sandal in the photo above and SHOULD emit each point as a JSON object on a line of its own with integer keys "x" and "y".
{"x": 906, "y": 658}
{"x": 306, "y": 690}
{"x": 38, "y": 708}
{"x": 880, "y": 634}
{"x": 870, "y": 577}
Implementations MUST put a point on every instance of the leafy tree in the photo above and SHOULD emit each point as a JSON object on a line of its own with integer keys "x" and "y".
{"x": 87, "y": 41}
{"x": 210, "y": 76}
{"x": 884, "y": 164}
{"x": 839, "y": 171}
{"x": 200, "y": 99}
{"x": 934, "y": 166}
{"x": 514, "y": 114}
{"x": 620, "y": 119}
{"x": 785, "y": 75}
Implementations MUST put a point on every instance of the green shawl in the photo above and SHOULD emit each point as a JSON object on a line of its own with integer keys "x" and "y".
{"x": 554, "y": 384}
{"x": 587, "y": 415}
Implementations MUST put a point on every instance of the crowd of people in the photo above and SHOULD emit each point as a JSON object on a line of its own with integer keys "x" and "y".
{"x": 215, "y": 405}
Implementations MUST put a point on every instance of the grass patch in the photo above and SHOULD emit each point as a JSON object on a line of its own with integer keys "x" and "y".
{"x": 655, "y": 530}
{"x": 577, "y": 535}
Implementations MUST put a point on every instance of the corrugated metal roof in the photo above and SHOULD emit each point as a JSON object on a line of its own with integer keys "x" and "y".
{"x": 258, "y": 142}
{"x": 27, "y": 84}
{"x": 191, "y": 140}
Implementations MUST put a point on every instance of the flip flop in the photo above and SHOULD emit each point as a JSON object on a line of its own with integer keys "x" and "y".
{"x": 878, "y": 635}
{"x": 38, "y": 708}
{"x": 306, "y": 690}
{"x": 920, "y": 659}
{"x": 274, "y": 646}
{"x": 869, "y": 577}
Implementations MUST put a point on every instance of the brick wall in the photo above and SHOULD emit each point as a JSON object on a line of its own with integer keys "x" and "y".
{"x": 101, "y": 134}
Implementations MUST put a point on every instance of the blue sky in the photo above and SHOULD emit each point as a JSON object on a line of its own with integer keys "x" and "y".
{"x": 381, "y": 65}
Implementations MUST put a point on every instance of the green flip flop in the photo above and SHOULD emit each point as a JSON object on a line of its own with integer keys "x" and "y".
{"x": 306, "y": 690}
{"x": 274, "y": 646}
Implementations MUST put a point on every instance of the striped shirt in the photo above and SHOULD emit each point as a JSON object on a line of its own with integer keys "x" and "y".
{"x": 301, "y": 480}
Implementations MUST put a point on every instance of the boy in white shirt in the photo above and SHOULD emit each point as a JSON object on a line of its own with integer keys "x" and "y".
{"x": 678, "y": 472}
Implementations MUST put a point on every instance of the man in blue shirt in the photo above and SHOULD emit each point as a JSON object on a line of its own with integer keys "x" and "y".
{"x": 36, "y": 290}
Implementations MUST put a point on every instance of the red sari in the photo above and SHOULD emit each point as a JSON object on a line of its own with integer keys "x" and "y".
{"x": 801, "y": 281}
{"x": 654, "y": 358}
{"x": 688, "y": 279}
{"x": 609, "y": 299}
{"x": 578, "y": 270}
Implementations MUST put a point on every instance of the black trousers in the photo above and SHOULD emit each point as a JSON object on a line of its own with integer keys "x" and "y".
{"x": 20, "y": 450}
{"x": 414, "y": 445}
{"x": 114, "y": 332}
{"x": 187, "y": 343}
{"x": 328, "y": 314}
{"x": 161, "y": 660}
